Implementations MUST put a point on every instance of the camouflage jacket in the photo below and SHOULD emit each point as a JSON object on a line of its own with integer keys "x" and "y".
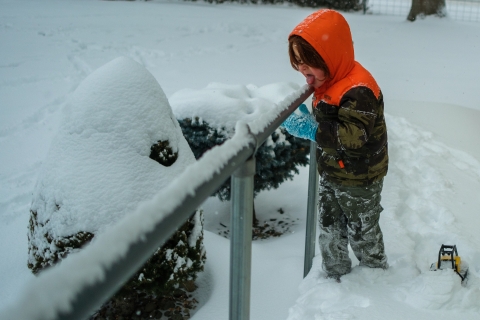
{"x": 352, "y": 139}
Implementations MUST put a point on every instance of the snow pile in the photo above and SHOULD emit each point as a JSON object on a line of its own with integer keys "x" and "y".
{"x": 98, "y": 168}
{"x": 222, "y": 105}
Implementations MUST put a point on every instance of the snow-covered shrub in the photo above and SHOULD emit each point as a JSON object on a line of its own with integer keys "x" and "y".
{"x": 208, "y": 118}
{"x": 163, "y": 285}
{"x": 118, "y": 145}
{"x": 276, "y": 160}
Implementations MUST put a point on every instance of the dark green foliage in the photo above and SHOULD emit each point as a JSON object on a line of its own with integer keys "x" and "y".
{"x": 163, "y": 153}
{"x": 155, "y": 277}
{"x": 163, "y": 285}
{"x": 277, "y": 160}
{"x": 63, "y": 246}
{"x": 200, "y": 136}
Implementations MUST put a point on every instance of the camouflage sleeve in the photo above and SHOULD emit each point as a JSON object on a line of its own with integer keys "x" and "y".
{"x": 356, "y": 119}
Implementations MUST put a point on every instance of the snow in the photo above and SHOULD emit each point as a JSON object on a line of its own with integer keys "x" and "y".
{"x": 112, "y": 120}
{"x": 222, "y": 106}
{"x": 429, "y": 74}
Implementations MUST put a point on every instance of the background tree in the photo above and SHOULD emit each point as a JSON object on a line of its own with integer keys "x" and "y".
{"x": 425, "y": 8}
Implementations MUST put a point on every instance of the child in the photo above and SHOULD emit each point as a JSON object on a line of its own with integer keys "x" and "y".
{"x": 349, "y": 128}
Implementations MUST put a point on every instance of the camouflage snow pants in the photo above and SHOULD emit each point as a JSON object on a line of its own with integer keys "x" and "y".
{"x": 350, "y": 215}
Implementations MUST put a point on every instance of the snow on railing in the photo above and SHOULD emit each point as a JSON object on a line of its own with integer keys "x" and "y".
{"x": 81, "y": 283}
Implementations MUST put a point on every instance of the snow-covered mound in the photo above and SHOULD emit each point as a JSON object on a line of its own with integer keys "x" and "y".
{"x": 222, "y": 105}
{"x": 98, "y": 167}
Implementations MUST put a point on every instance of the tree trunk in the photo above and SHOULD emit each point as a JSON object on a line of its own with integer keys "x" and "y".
{"x": 426, "y": 7}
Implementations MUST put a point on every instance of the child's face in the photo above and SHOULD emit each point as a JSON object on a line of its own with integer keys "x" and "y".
{"x": 315, "y": 77}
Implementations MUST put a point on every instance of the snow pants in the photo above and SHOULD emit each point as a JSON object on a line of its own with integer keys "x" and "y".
{"x": 350, "y": 215}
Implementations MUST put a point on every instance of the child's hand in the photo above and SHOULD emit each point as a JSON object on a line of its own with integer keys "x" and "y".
{"x": 302, "y": 126}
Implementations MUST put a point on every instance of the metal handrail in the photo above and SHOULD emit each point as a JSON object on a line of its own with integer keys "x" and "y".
{"x": 311, "y": 224}
{"x": 110, "y": 273}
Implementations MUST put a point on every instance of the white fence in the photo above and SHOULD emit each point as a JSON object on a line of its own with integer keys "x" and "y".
{"x": 464, "y": 10}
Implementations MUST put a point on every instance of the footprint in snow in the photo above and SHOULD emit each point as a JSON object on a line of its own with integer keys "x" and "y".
{"x": 334, "y": 301}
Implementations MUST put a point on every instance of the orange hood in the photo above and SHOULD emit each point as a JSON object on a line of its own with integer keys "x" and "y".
{"x": 329, "y": 34}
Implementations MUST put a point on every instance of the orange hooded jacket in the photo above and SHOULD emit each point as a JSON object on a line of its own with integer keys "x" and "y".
{"x": 352, "y": 133}
{"x": 329, "y": 34}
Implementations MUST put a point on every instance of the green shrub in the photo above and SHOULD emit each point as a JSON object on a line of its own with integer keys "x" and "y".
{"x": 163, "y": 286}
{"x": 277, "y": 158}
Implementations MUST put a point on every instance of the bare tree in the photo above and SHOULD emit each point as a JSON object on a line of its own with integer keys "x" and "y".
{"x": 426, "y": 7}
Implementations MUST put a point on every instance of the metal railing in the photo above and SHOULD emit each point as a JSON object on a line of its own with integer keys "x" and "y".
{"x": 311, "y": 222}
{"x": 80, "y": 284}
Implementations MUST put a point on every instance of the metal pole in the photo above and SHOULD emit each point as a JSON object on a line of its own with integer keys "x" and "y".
{"x": 241, "y": 240}
{"x": 311, "y": 211}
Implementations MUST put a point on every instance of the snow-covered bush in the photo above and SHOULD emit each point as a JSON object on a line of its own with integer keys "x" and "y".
{"x": 118, "y": 145}
{"x": 208, "y": 117}
{"x": 276, "y": 160}
{"x": 163, "y": 285}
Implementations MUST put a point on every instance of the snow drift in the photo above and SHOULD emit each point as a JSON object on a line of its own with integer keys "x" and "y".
{"x": 98, "y": 168}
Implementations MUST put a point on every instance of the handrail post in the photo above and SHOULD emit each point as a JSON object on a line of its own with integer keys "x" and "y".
{"x": 241, "y": 240}
{"x": 311, "y": 223}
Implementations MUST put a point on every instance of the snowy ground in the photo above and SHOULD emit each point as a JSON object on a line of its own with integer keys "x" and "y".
{"x": 429, "y": 74}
